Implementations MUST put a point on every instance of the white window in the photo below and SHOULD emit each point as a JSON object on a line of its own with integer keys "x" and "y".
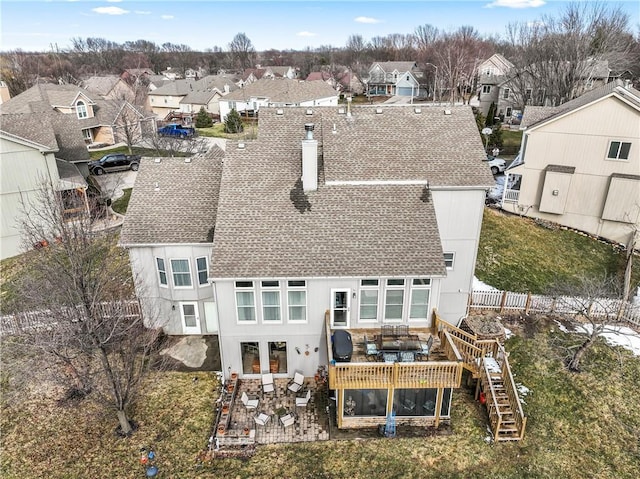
{"x": 81, "y": 109}
{"x": 203, "y": 270}
{"x": 505, "y": 93}
{"x": 162, "y": 271}
{"x": 369, "y": 293}
{"x": 618, "y": 150}
{"x": 420, "y": 292}
{"x": 245, "y": 301}
{"x": 449, "y": 259}
{"x": 86, "y": 133}
{"x": 297, "y": 300}
{"x": 181, "y": 273}
{"x": 486, "y": 88}
{"x": 271, "y": 301}
{"x": 394, "y": 300}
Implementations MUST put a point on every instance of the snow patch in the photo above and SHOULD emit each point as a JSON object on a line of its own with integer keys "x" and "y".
{"x": 481, "y": 286}
{"x": 561, "y": 326}
{"x": 508, "y": 333}
{"x": 617, "y": 335}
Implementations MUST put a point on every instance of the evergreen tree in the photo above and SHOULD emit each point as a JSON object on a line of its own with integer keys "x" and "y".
{"x": 490, "y": 115}
{"x": 203, "y": 120}
{"x": 233, "y": 123}
{"x": 495, "y": 138}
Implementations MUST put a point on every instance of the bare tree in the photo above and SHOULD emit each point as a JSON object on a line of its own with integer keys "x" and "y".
{"x": 90, "y": 328}
{"x": 595, "y": 302}
{"x": 242, "y": 51}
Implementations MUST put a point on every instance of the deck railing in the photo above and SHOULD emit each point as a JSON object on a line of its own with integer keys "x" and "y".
{"x": 511, "y": 196}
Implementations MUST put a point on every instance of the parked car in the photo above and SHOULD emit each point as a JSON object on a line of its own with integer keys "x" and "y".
{"x": 497, "y": 165}
{"x": 114, "y": 162}
{"x": 176, "y": 130}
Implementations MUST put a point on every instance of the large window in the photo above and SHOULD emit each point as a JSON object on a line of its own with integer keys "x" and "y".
{"x": 394, "y": 300}
{"x": 369, "y": 300}
{"x": 250, "y": 356}
{"x": 420, "y": 402}
{"x": 297, "y": 300}
{"x": 162, "y": 271}
{"x": 278, "y": 357}
{"x": 420, "y": 290}
{"x": 619, "y": 150}
{"x": 203, "y": 271}
{"x": 181, "y": 273}
{"x": 81, "y": 109}
{"x": 365, "y": 402}
{"x": 271, "y": 301}
{"x": 245, "y": 301}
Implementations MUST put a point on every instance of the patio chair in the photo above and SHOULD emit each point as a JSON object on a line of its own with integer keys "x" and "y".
{"x": 262, "y": 419}
{"x": 390, "y": 357}
{"x": 249, "y": 403}
{"x": 287, "y": 420}
{"x": 407, "y": 356}
{"x": 370, "y": 349}
{"x": 267, "y": 384}
{"x": 387, "y": 331}
{"x": 402, "y": 330}
{"x": 296, "y": 383}
{"x": 408, "y": 405}
{"x": 426, "y": 349}
{"x": 303, "y": 401}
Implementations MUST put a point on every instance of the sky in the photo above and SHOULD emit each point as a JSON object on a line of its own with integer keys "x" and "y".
{"x": 43, "y": 25}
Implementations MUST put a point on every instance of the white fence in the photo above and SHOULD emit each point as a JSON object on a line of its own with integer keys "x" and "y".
{"x": 505, "y": 301}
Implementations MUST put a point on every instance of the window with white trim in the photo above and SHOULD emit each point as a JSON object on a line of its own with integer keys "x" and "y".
{"x": 181, "y": 273}
{"x": 618, "y": 150}
{"x": 271, "y": 301}
{"x": 81, "y": 109}
{"x": 449, "y": 260}
{"x": 420, "y": 292}
{"x": 486, "y": 89}
{"x": 162, "y": 272}
{"x": 245, "y": 302}
{"x": 505, "y": 93}
{"x": 369, "y": 292}
{"x": 203, "y": 270}
{"x": 86, "y": 133}
{"x": 394, "y": 300}
{"x": 297, "y": 300}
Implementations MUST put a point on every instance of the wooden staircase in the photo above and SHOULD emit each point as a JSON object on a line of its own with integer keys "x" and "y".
{"x": 487, "y": 362}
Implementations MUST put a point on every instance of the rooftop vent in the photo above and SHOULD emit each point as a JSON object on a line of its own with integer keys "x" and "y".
{"x": 447, "y": 112}
{"x": 378, "y": 111}
{"x": 279, "y": 111}
{"x": 341, "y": 111}
{"x": 157, "y": 160}
{"x": 156, "y": 186}
{"x": 334, "y": 130}
{"x": 187, "y": 160}
{"x": 309, "y": 111}
{"x": 241, "y": 145}
{"x": 417, "y": 110}
{"x": 309, "y": 127}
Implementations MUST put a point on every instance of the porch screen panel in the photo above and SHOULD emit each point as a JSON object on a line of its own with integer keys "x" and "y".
{"x": 415, "y": 402}
{"x": 365, "y": 402}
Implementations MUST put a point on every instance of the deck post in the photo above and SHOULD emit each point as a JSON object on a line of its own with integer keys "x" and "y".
{"x": 527, "y": 304}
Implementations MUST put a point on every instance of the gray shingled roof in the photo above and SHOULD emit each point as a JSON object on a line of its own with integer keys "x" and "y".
{"x": 534, "y": 115}
{"x": 182, "y": 209}
{"x": 348, "y": 230}
{"x": 100, "y": 85}
{"x": 283, "y": 90}
{"x": 175, "y": 88}
{"x": 215, "y": 81}
{"x": 198, "y": 97}
{"x": 403, "y": 66}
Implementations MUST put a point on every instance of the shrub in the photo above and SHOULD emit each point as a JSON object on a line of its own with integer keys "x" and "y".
{"x": 203, "y": 119}
{"x": 233, "y": 123}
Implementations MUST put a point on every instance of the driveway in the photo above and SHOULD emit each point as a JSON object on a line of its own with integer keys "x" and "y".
{"x": 112, "y": 184}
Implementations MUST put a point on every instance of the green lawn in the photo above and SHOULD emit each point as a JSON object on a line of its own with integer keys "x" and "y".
{"x": 120, "y": 205}
{"x": 516, "y": 254}
{"x": 579, "y": 426}
{"x": 217, "y": 131}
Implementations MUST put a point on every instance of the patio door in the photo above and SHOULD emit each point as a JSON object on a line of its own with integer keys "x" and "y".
{"x": 340, "y": 308}
{"x": 190, "y": 318}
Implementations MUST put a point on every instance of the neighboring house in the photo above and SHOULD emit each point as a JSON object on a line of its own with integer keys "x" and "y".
{"x": 166, "y": 98}
{"x": 491, "y": 74}
{"x": 277, "y": 93}
{"x": 579, "y": 164}
{"x": 343, "y": 81}
{"x": 395, "y": 78}
{"x": 100, "y": 121}
{"x": 109, "y": 88}
{"x": 171, "y": 74}
{"x": 282, "y": 72}
{"x": 32, "y": 152}
{"x": 320, "y": 222}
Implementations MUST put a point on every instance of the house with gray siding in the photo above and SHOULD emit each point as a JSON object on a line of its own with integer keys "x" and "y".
{"x": 319, "y": 219}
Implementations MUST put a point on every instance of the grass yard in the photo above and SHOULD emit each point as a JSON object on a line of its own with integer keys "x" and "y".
{"x": 579, "y": 426}
{"x": 217, "y": 131}
{"x": 120, "y": 205}
{"x": 517, "y": 254}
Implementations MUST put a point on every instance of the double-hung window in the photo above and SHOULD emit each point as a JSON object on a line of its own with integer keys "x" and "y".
{"x": 203, "y": 271}
{"x": 245, "y": 302}
{"x": 420, "y": 292}
{"x": 449, "y": 260}
{"x": 619, "y": 150}
{"x": 81, "y": 109}
{"x": 394, "y": 300}
{"x": 486, "y": 89}
{"x": 297, "y": 300}
{"x": 271, "y": 301}
{"x": 181, "y": 273}
{"x": 369, "y": 292}
{"x": 162, "y": 272}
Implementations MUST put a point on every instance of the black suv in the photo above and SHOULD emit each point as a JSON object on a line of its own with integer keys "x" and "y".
{"x": 114, "y": 162}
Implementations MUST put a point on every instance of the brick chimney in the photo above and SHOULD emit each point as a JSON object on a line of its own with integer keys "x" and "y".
{"x": 309, "y": 160}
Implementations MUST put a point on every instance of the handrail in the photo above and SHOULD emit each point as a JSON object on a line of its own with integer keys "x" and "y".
{"x": 496, "y": 408}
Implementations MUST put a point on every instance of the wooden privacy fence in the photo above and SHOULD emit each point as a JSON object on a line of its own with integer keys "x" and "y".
{"x": 508, "y": 301}
{"x": 34, "y": 320}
